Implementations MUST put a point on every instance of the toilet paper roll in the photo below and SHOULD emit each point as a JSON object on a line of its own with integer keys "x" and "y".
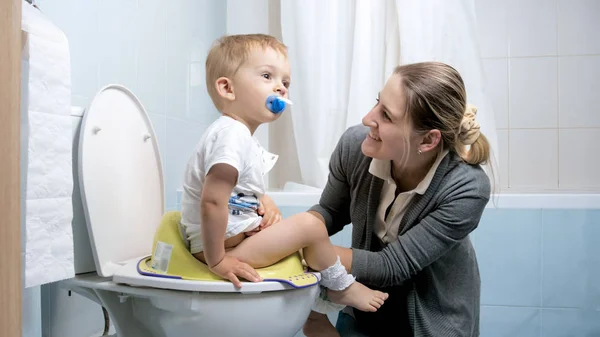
{"x": 46, "y": 150}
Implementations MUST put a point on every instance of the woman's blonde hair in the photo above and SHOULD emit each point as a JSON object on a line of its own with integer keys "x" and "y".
{"x": 228, "y": 53}
{"x": 436, "y": 99}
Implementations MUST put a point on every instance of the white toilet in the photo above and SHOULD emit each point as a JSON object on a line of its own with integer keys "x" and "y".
{"x": 119, "y": 177}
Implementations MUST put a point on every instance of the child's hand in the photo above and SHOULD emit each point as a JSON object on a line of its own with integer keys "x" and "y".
{"x": 230, "y": 268}
{"x": 254, "y": 231}
{"x": 269, "y": 212}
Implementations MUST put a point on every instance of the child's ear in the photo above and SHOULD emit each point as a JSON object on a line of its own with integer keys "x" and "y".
{"x": 225, "y": 88}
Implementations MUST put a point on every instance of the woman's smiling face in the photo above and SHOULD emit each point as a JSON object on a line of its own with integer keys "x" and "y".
{"x": 391, "y": 136}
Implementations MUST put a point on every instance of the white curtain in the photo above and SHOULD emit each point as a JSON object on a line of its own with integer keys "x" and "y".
{"x": 446, "y": 31}
{"x": 342, "y": 52}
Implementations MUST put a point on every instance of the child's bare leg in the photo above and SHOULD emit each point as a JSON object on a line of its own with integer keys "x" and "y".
{"x": 229, "y": 244}
{"x": 305, "y": 230}
{"x": 287, "y": 237}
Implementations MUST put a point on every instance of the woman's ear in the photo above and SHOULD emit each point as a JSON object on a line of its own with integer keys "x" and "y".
{"x": 430, "y": 140}
{"x": 225, "y": 88}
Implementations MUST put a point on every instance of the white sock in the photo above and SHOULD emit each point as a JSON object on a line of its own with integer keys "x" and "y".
{"x": 335, "y": 277}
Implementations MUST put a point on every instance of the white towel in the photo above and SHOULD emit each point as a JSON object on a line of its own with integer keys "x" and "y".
{"x": 46, "y": 147}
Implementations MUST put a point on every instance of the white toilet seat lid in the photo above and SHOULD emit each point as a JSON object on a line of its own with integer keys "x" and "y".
{"x": 121, "y": 178}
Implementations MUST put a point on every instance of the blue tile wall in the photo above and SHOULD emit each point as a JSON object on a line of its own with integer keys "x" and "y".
{"x": 505, "y": 321}
{"x": 571, "y": 266}
{"x": 540, "y": 271}
{"x": 508, "y": 245}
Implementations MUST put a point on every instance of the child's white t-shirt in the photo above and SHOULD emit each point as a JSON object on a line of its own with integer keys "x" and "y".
{"x": 226, "y": 141}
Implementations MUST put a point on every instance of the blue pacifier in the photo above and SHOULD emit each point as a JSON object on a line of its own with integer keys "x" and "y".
{"x": 277, "y": 104}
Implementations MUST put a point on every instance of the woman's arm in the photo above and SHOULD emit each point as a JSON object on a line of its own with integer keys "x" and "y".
{"x": 436, "y": 234}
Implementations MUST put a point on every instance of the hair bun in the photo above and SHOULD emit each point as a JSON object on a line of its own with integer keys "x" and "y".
{"x": 469, "y": 128}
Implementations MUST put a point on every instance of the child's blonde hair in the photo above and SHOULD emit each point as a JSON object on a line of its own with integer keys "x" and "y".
{"x": 229, "y": 53}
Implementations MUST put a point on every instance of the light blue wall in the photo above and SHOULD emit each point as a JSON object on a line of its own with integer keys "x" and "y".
{"x": 32, "y": 312}
{"x": 540, "y": 271}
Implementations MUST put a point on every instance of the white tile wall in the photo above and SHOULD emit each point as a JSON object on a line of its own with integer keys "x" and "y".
{"x": 497, "y": 78}
{"x": 578, "y": 27}
{"x": 533, "y": 93}
{"x": 531, "y": 27}
{"x": 503, "y": 143}
{"x": 579, "y": 85}
{"x": 541, "y": 60}
{"x": 576, "y": 144}
{"x": 493, "y": 33}
{"x": 533, "y": 158}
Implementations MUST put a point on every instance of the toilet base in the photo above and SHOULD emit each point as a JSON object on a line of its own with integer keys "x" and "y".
{"x": 151, "y": 312}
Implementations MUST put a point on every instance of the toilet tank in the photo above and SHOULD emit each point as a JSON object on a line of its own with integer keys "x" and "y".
{"x": 84, "y": 260}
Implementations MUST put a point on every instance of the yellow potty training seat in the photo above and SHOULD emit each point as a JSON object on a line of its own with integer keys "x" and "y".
{"x": 171, "y": 259}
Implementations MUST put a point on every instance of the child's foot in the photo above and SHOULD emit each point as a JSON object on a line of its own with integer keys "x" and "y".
{"x": 358, "y": 296}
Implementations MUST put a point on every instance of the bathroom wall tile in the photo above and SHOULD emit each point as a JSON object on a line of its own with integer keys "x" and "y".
{"x": 508, "y": 246}
{"x": 188, "y": 42}
{"x": 186, "y": 87}
{"x": 207, "y": 24}
{"x": 59, "y": 11}
{"x": 159, "y": 123}
{"x": 177, "y": 82}
{"x": 343, "y": 238}
{"x": 533, "y": 93}
{"x": 532, "y": 26}
{"x": 510, "y": 321}
{"x": 579, "y": 161}
{"x": 496, "y": 80}
{"x": 201, "y": 107}
{"x": 151, "y": 36}
{"x": 32, "y": 315}
{"x": 579, "y": 83}
{"x": 493, "y": 33}
{"x": 570, "y": 322}
{"x": 287, "y": 211}
{"x": 116, "y": 46}
{"x": 84, "y": 75}
{"x": 578, "y": 27}
{"x": 533, "y": 159}
{"x": 504, "y": 158}
{"x": 182, "y": 138}
{"x": 570, "y": 252}
{"x": 80, "y": 100}
{"x": 79, "y": 22}
{"x": 179, "y": 44}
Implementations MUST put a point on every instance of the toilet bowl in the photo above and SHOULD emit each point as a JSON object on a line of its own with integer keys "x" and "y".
{"x": 141, "y": 272}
